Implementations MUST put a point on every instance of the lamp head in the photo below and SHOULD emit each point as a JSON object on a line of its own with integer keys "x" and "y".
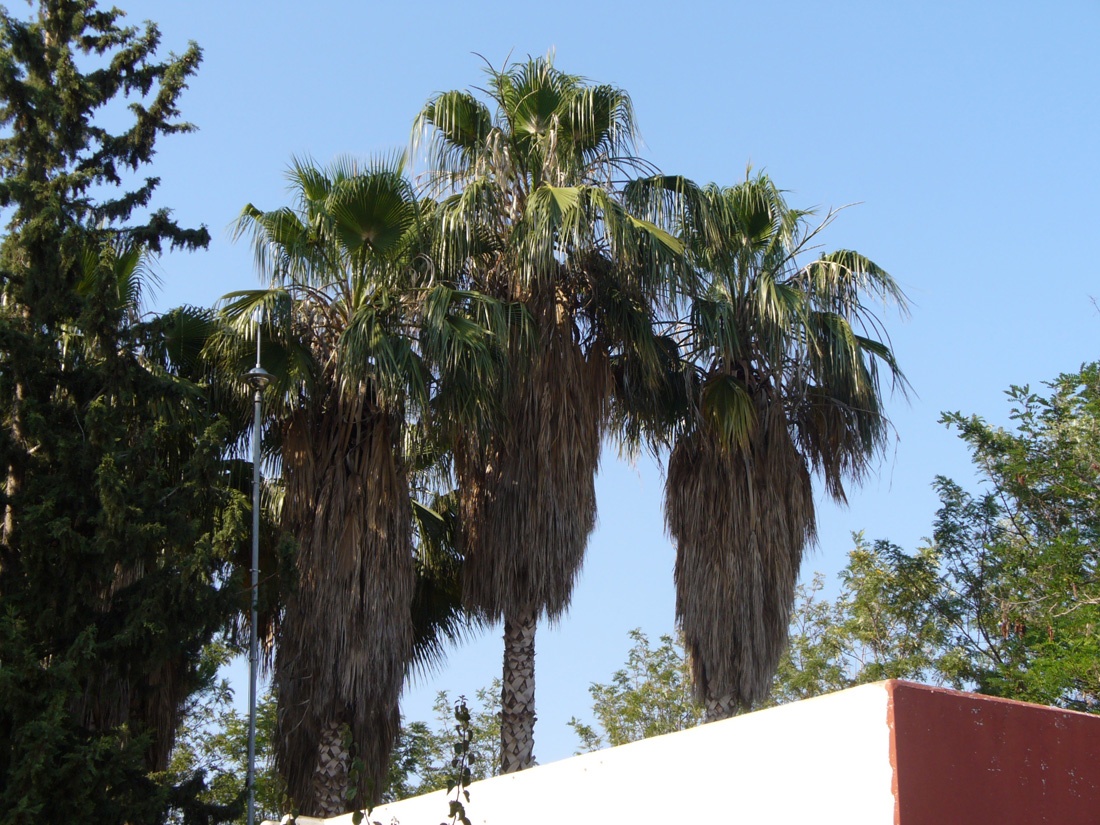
{"x": 258, "y": 377}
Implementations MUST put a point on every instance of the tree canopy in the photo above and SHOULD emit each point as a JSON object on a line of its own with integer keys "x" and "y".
{"x": 120, "y": 517}
{"x": 532, "y": 214}
{"x": 782, "y": 362}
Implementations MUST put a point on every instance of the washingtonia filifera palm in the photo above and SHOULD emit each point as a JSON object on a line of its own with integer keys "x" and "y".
{"x": 785, "y": 382}
{"x": 532, "y": 215}
{"x": 362, "y": 336}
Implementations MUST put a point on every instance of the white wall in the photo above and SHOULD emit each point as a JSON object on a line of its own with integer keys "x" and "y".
{"x": 822, "y": 760}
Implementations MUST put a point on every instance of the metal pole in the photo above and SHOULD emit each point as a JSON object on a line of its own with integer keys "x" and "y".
{"x": 258, "y": 379}
{"x": 253, "y": 641}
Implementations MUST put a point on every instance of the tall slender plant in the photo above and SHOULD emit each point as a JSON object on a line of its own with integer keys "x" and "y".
{"x": 530, "y": 179}
{"x": 784, "y": 380}
{"x": 363, "y": 335}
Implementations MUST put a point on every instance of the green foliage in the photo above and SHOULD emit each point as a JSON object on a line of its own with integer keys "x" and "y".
{"x": 814, "y": 661}
{"x": 213, "y": 742}
{"x": 650, "y": 696}
{"x": 118, "y": 517}
{"x": 1004, "y": 600}
{"x": 423, "y": 754}
{"x": 883, "y": 625}
{"x": 1020, "y": 560}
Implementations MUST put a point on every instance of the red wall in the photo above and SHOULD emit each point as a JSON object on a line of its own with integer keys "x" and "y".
{"x": 975, "y": 760}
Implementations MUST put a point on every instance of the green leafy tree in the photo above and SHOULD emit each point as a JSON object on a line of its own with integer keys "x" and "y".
{"x": 1019, "y": 560}
{"x": 423, "y": 754}
{"x": 890, "y": 604}
{"x": 119, "y": 516}
{"x": 650, "y": 696}
{"x": 884, "y": 624}
{"x": 816, "y": 658}
{"x": 213, "y": 741}
{"x": 1004, "y": 600}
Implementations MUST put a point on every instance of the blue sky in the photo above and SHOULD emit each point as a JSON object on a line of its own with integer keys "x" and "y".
{"x": 966, "y": 132}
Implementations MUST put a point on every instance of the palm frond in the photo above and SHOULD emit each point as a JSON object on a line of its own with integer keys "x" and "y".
{"x": 729, "y": 410}
{"x": 844, "y": 276}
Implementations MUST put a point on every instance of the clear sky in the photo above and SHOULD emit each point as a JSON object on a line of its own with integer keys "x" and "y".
{"x": 967, "y": 133}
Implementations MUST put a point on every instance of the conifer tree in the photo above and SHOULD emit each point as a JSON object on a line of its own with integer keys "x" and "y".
{"x": 117, "y": 519}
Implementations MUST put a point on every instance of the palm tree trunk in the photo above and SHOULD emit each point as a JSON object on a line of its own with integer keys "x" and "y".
{"x": 330, "y": 774}
{"x": 517, "y": 693}
{"x": 720, "y": 707}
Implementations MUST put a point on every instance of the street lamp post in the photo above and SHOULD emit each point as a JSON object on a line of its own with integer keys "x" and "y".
{"x": 257, "y": 378}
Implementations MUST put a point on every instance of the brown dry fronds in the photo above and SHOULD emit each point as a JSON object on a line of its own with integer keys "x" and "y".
{"x": 117, "y": 696}
{"x": 346, "y": 636}
{"x": 114, "y": 699}
{"x": 740, "y": 518}
{"x": 528, "y": 497}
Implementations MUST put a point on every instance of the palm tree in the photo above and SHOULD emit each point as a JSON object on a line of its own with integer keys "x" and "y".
{"x": 532, "y": 216}
{"x": 361, "y": 335}
{"x": 784, "y": 382}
